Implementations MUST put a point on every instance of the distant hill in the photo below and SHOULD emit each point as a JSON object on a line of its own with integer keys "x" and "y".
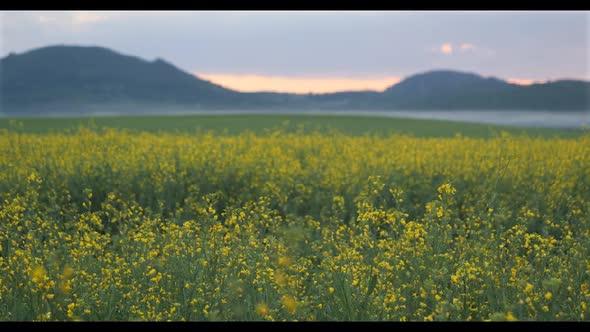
{"x": 72, "y": 76}
{"x": 76, "y": 79}
{"x": 444, "y": 89}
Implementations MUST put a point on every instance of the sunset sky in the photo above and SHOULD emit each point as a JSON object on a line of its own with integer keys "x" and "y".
{"x": 323, "y": 51}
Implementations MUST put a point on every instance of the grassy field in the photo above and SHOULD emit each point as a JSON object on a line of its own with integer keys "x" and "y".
{"x": 307, "y": 224}
{"x": 235, "y": 124}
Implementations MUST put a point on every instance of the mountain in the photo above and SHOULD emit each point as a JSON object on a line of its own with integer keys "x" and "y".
{"x": 441, "y": 88}
{"x": 557, "y": 95}
{"x": 78, "y": 80}
{"x": 79, "y": 77}
{"x": 445, "y": 89}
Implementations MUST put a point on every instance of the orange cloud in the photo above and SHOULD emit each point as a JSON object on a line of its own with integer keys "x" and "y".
{"x": 254, "y": 83}
{"x": 446, "y": 48}
{"x": 523, "y": 81}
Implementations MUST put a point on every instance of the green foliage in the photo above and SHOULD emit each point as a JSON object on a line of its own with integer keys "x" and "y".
{"x": 264, "y": 124}
{"x": 104, "y": 224}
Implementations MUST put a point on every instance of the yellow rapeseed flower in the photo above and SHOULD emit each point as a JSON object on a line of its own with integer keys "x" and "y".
{"x": 290, "y": 303}
{"x": 38, "y": 274}
{"x": 67, "y": 273}
{"x": 262, "y": 309}
{"x": 284, "y": 261}
{"x": 510, "y": 317}
{"x": 71, "y": 308}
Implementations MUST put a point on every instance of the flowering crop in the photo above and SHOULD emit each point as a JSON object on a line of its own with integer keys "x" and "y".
{"x": 111, "y": 225}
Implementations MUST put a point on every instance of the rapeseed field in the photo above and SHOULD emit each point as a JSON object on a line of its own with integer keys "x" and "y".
{"x": 112, "y": 225}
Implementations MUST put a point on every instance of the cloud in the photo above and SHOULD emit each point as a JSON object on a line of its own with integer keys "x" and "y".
{"x": 446, "y": 48}
{"x": 524, "y": 81}
{"x": 41, "y": 18}
{"x": 330, "y": 44}
{"x": 86, "y": 17}
{"x": 253, "y": 83}
{"x": 68, "y": 18}
{"x": 466, "y": 47}
{"x": 45, "y": 19}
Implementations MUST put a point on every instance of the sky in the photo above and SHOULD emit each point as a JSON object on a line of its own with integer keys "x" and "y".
{"x": 322, "y": 51}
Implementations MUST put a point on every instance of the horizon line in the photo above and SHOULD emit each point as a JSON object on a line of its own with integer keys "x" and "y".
{"x": 242, "y": 82}
{"x": 260, "y": 83}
